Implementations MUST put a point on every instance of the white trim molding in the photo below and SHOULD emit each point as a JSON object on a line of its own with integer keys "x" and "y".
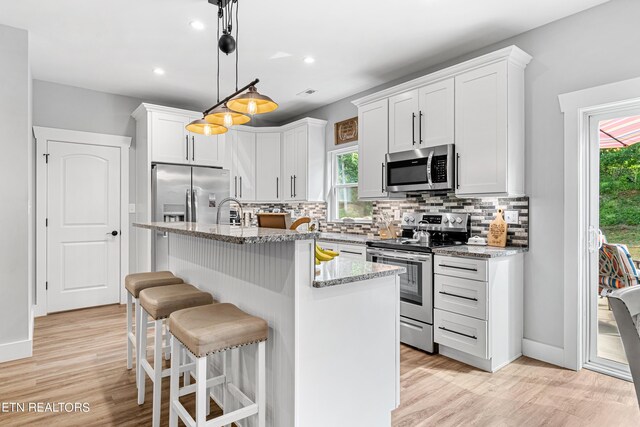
{"x": 545, "y": 352}
{"x": 44, "y": 134}
{"x": 16, "y": 350}
{"x": 577, "y": 108}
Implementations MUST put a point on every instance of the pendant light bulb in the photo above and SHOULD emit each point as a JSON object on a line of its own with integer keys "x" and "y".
{"x": 252, "y": 107}
{"x": 207, "y": 130}
{"x": 228, "y": 120}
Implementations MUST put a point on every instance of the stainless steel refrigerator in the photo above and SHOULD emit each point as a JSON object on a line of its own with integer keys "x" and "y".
{"x": 185, "y": 193}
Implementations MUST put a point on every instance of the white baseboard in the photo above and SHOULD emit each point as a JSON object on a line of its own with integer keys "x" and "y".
{"x": 16, "y": 350}
{"x": 545, "y": 352}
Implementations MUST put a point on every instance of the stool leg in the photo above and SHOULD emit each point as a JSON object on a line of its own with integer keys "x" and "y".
{"x": 260, "y": 386}
{"x": 187, "y": 374}
{"x": 157, "y": 372}
{"x": 142, "y": 353}
{"x": 174, "y": 390}
{"x": 129, "y": 331}
{"x": 167, "y": 353}
{"x": 138, "y": 328}
{"x": 201, "y": 391}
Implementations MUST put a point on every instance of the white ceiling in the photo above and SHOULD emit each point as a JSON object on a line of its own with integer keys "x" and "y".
{"x": 114, "y": 45}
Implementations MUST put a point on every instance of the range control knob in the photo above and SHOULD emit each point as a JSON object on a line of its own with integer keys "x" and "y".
{"x": 458, "y": 220}
{"x": 406, "y": 219}
{"x": 412, "y": 219}
{"x": 445, "y": 219}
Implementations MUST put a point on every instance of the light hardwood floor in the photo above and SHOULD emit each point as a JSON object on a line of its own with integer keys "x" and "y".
{"x": 80, "y": 357}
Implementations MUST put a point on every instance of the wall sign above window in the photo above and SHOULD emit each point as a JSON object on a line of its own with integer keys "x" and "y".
{"x": 346, "y": 131}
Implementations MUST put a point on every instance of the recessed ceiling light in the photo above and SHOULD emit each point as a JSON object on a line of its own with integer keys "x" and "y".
{"x": 158, "y": 71}
{"x": 309, "y": 60}
{"x": 197, "y": 25}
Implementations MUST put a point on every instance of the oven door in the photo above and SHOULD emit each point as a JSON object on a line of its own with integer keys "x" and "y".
{"x": 416, "y": 285}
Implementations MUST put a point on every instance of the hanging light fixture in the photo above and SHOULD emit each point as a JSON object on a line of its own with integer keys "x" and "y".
{"x": 203, "y": 127}
{"x": 233, "y": 109}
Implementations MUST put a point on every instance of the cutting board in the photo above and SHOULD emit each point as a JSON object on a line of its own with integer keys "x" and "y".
{"x": 498, "y": 231}
{"x": 274, "y": 220}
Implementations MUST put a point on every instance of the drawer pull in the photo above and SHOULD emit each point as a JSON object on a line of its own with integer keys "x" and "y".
{"x": 458, "y": 296}
{"x": 349, "y": 252}
{"x": 458, "y": 268}
{"x": 456, "y": 332}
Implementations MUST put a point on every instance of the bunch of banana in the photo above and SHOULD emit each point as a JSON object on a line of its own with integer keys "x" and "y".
{"x": 324, "y": 254}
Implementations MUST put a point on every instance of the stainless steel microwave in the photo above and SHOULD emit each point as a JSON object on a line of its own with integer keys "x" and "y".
{"x": 421, "y": 170}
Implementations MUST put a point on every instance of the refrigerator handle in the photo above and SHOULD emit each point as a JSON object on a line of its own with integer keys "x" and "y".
{"x": 187, "y": 210}
{"x": 194, "y": 198}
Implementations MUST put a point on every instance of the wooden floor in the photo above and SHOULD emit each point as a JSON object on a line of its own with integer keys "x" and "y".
{"x": 80, "y": 357}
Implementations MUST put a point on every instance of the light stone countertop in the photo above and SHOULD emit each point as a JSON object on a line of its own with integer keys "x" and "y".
{"x": 353, "y": 238}
{"x": 230, "y": 234}
{"x": 469, "y": 251}
{"x": 340, "y": 270}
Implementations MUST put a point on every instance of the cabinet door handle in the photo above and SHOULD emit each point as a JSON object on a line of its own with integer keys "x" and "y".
{"x": 413, "y": 128}
{"x": 458, "y": 268}
{"x": 241, "y": 187}
{"x": 291, "y": 186}
{"x": 456, "y": 332}
{"x": 383, "y": 177}
{"x": 193, "y": 148}
{"x": 457, "y": 171}
{"x": 277, "y": 188}
{"x": 458, "y": 296}
{"x": 235, "y": 186}
{"x": 420, "y": 126}
{"x": 351, "y": 252}
{"x": 186, "y": 141}
{"x": 295, "y": 193}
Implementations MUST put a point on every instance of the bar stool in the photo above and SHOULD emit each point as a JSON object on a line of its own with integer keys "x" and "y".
{"x": 211, "y": 329}
{"x": 134, "y": 283}
{"x": 159, "y": 303}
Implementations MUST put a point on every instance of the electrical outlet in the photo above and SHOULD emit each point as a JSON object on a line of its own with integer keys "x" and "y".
{"x": 511, "y": 217}
{"x": 132, "y": 208}
{"x": 397, "y": 215}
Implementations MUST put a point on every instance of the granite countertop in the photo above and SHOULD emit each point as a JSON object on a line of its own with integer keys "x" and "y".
{"x": 468, "y": 251}
{"x": 228, "y": 233}
{"x": 356, "y": 239}
{"x": 343, "y": 270}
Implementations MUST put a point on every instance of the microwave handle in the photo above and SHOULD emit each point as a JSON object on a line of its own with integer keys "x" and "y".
{"x": 429, "y": 162}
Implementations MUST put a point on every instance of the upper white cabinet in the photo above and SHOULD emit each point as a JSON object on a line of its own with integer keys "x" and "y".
{"x": 403, "y": 121}
{"x": 243, "y": 165}
{"x": 477, "y": 105}
{"x": 303, "y": 160}
{"x": 436, "y": 114}
{"x": 207, "y": 150}
{"x": 169, "y": 138}
{"x": 373, "y": 123}
{"x": 268, "y": 166}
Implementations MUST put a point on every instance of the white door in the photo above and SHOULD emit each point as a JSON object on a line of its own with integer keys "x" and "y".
{"x": 289, "y": 167}
{"x": 436, "y": 114}
{"x": 207, "y": 150}
{"x": 268, "y": 182}
{"x": 245, "y": 165}
{"x": 83, "y": 211}
{"x": 481, "y": 130}
{"x": 403, "y": 122}
{"x": 170, "y": 142}
{"x": 372, "y": 149}
{"x": 300, "y": 175}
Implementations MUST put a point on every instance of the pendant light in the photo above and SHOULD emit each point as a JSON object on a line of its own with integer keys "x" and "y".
{"x": 203, "y": 127}
{"x": 221, "y": 115}
{"x": 252, "y": 102}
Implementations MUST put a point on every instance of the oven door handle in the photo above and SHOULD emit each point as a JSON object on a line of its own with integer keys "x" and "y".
{"x": 395, "y": 255}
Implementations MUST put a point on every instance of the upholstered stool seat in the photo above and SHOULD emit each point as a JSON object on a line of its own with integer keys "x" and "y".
{"x": 211, "y": 329}
{"x": 134, "y": 283}
{"x": 161, "y": 301}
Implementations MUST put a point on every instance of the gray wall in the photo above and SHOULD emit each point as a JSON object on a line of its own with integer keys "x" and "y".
{"x": 68, "y": 107}
{"x": 14, "y": 186}
{"x": 591, "y": 48}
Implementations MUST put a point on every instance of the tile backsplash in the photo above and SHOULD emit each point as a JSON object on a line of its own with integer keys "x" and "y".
{"x": 482, "y": 211}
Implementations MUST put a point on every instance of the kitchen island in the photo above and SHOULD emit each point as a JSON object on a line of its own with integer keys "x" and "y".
{"x": 333, "y": 349}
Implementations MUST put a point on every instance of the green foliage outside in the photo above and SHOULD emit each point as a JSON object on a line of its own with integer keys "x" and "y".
{"x": 348, "y": 204}
{"x": 620, "y": 196}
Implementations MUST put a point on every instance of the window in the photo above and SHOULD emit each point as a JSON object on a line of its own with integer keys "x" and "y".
{"x": 344, "y": 187}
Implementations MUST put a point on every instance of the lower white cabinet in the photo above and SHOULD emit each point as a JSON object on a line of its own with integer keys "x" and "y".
{"x": 347, "y": 251}
{"x": 478, "y": 309}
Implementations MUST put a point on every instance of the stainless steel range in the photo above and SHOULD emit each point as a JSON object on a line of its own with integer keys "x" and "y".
{"x": 416, "y": 285}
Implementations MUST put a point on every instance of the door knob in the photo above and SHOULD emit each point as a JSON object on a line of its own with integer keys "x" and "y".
{"x": 114, "y": 233}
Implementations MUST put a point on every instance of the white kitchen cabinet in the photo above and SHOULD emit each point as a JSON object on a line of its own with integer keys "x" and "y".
{"x": 207, "y": 150}
{"x": 403, "y": 121}
{"x": 303, "y": 160}
{"x": 478, "y": 309}
{"x": 373, "y": 123}
{"x": 347, "y": 251}
{"x": 169, "y": 140}
{"x": 268, "y": 171}
{"x": 436, "y": 114}
{"x": 243, "y": 165}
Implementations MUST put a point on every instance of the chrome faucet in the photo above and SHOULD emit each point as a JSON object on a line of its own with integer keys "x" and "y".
{"x": 229, "y": 199}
